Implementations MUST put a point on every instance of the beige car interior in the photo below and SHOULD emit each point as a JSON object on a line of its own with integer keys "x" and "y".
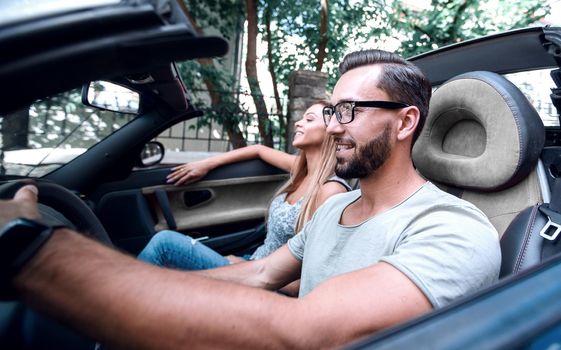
{"x": 225, "y": 201}
{"x": 481, "y": 142}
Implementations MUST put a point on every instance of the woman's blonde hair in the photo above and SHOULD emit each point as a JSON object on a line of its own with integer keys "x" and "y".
{"x": 299, "y": 171}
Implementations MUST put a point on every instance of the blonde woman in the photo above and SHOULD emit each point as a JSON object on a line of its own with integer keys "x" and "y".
{"x": 310, "y": 184}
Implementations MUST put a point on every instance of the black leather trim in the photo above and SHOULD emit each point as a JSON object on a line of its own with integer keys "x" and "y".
{"x": 530, "y": 127}
{"x": 521, "y": 243}
{"x": 522, "y": 246}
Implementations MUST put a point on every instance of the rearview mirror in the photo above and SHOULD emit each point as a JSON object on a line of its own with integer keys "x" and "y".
{"x": 110, "y": 96}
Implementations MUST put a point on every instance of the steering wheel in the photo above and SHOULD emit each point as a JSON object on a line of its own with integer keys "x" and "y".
{"x": 58, "y": 204}
{"x": 20, "y": 326}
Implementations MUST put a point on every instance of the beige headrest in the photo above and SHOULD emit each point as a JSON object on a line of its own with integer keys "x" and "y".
{"x": 481, "y": 133}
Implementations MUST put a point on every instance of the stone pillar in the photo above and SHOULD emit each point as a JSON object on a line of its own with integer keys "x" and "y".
{"x": 304, "y": 88}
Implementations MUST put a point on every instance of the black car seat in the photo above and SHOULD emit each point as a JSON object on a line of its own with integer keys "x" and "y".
{"x": 482, "y": 142}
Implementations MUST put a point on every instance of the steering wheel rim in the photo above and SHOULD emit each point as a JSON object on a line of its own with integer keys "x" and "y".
{"x": 64, "y": 202}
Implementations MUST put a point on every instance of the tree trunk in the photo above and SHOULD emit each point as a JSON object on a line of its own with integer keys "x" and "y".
{"x": 15, "y": 128}
{"x": 232, "y": 129}
{"x": 282, "y": 117}
{"x": 264, "y": 124}
{"x": 235, "y": 135}
{"x": 322, "y": 34}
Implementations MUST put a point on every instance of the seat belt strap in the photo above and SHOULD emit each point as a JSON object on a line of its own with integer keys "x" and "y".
{"x": 553, "y": 212}
{"x": 165, "y": 207}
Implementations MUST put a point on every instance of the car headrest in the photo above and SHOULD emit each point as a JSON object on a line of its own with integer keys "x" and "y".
{"x": 481, "y": 133}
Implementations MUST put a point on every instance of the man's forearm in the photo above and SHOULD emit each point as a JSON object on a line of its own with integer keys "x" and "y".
{"x": 125, "y": 303}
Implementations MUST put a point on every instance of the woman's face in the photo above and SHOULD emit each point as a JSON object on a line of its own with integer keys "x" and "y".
{"x": 310, "y": 130}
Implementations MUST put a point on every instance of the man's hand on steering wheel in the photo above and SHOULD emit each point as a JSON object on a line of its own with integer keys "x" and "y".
{"x": 24, "y": 204}
{"x": 52, "y": 205}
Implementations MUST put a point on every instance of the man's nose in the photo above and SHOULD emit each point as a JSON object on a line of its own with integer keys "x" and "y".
{"x": 334, "y": 127}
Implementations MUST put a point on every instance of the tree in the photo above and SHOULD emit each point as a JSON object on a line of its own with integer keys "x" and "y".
{"x": 224, "y": 106}
{"x": 324, "y": 17}
{"x": 12, "y": 125}
{"x": 313, "y": 35}
{"x": 447, "y": 22}
{"x": 280, "y": 23}
{"x": 316, "y": 34}
{"x": 274, "y": 79}
{"x": 251, "y": 72}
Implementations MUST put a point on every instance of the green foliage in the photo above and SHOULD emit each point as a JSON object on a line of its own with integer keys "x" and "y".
{"x": 226, "y": 109}
{"x": 295, "y": 37}
{"x": 214, "y": 87}
{"x": 226, "y": 16}
{"x": 450, "y": 21}
{"x": 295, "y": 32}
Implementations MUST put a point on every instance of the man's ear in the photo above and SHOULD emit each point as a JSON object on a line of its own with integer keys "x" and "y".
{"x": 409, "y": 119}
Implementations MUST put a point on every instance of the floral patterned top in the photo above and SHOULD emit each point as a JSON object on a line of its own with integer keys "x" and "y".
{"x": 281, "y": 222}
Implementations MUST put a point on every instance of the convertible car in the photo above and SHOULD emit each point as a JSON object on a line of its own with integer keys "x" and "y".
{"x": 87, "y": 88}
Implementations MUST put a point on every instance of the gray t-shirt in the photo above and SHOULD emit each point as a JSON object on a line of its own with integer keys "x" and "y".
{"x": 445, "y": 245}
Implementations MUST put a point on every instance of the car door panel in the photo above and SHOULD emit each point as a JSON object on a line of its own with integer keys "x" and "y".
{"x": 218, "y": 202}
{"x": 226, "y": 209}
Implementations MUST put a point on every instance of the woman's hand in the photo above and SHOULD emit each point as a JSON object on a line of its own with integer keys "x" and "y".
{"x": 234, "y": 259}
{"x": 188, "y": 172}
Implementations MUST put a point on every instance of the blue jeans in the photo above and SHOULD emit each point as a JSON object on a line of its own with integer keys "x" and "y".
{"x": 175, "y": 250}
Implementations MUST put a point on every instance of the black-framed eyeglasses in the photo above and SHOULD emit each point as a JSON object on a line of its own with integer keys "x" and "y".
{"x": 345, "y": 110}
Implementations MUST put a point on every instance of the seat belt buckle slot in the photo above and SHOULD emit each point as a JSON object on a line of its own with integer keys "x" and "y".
{"x": 551, "y": 230}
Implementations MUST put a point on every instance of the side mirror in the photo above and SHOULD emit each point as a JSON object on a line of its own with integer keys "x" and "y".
{"x": 110, "y": 96}
{"x": 152, "y": 153}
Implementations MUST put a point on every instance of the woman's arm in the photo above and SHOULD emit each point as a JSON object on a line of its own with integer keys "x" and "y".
{"x": 193, "y": 171}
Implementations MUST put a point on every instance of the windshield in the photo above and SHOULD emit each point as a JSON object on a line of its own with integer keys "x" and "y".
{"x": 51, "y": 132}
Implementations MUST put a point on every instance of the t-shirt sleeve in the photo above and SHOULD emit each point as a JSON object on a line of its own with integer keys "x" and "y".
{"x": 448, "y": 252}
{"x": 297, "y": 243}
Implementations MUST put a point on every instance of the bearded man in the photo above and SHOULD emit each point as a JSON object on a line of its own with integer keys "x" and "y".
{"x": 368, "y": 259}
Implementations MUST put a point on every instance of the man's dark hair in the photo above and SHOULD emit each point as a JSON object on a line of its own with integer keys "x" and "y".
{"x": 400, "y": 79}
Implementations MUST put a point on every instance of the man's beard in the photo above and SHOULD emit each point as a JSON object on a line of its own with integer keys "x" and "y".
{"x": 366, "y": 159}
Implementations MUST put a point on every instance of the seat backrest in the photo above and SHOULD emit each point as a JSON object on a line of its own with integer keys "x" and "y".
{"x": 482, "y": 141}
